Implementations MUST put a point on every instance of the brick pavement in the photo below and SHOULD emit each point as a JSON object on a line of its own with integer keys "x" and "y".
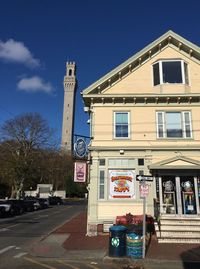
{"x": 78, "y": 240}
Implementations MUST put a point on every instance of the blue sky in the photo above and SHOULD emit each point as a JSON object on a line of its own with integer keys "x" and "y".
{"x": 37, "y": 37}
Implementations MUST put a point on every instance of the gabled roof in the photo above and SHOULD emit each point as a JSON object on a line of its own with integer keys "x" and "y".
{"x": 168, "y": 39}
{"x": 172, "y": 163}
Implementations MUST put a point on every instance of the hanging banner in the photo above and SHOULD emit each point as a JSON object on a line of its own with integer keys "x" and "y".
{"x": 80, "y": 172}
{"x": 122, "y": 184}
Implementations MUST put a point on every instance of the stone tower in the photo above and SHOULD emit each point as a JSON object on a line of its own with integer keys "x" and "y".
{"x": 68, "y": 107}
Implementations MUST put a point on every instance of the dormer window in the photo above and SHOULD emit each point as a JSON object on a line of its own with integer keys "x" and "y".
{"x": 170, "y": 71}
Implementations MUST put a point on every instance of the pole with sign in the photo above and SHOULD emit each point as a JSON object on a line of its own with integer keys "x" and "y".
{"x": 144, "y": 191}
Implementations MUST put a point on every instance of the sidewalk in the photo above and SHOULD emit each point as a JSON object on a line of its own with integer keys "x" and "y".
{"x": 70, "y": 241}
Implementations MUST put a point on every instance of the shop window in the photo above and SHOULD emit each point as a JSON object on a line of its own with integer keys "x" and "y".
{"x": 174, "y": 124}
{"x": 170, "y": 71}
{"x": 102, "y": 184}
{"x": 121, "y": 125}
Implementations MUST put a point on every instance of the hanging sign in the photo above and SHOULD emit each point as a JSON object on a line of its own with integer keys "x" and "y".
{"x": 80, "y": 148}
{"x": 79, "y": 172}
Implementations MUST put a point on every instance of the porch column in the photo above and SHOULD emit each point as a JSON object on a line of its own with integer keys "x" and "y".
{"x": 178, "y": 196}
{"x": 160, "y": 195}
{"x": 196, "y": 195}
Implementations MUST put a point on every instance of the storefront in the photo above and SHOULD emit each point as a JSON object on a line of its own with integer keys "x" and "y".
{"x": 178, "y": 189}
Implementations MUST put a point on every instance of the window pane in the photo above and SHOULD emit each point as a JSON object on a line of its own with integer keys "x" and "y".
{"x": 101, "y": 184}
{"x": 101, "y": 177}
{"x": 121, "y": 131}
{"x": 187, "y": 117}
{"x": 121, "y": 124}
{"x": 160, "y": 124}
{"x": 173, "y": 124}
{"x": 121, "y": 117}
{"x": 102, "y": 162}
{"x": 160, "y": 119}
{"x": 187, "y": 131}
{"x": 172, "y": 72}
{"x": 160, "y": 131}
{"x": 187, "y": 124}
{"x": 156, "y": 75}
{"x": 101, "y": 192}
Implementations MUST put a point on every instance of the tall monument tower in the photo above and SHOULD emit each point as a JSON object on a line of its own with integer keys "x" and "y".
{"x": 68, "y": 107}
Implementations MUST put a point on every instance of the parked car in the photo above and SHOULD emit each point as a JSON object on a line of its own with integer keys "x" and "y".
{"x": 55, "y": 200}
{"x": 44, "y": 203}
{"x": 29, "y": 205}
{"x": 9, "y": 208}
{"x": 34, "y": 201}
{"x": 18, "y": 204}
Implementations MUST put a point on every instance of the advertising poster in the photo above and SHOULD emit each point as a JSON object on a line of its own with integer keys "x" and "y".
{"x": 122, "y": 184}
{"x": 79, "y": 172}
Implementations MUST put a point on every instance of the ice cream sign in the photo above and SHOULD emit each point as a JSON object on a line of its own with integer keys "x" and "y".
{"x": 122, "y": 183}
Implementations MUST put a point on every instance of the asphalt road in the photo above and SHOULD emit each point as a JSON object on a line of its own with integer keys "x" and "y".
{"x": 18, "y": 234}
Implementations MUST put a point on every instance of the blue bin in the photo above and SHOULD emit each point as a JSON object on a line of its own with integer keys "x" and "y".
{"x": 117, "y": 241}
{"x": 134, "y": 245}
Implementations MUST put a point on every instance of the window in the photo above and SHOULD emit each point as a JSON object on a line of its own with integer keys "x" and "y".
{"x": 102, "y": 162}
{"x": 121, "y": 125}
{"x": 174, "y": 124}
{"x": 101, "y": 184}
{"x": 140, "y": 161}
{"x": 170, "y": 71}
{"x": 141, "y": 172}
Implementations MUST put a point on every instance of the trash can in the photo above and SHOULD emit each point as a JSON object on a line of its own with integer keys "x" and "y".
{"x": 134, "y": 245}
{"x": 117, "y": 241}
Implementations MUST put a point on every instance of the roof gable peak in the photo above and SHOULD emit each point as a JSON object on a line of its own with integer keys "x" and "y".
{"x": 169, "y": 38}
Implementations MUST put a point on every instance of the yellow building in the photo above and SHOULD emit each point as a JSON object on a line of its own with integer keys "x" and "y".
{"x": 145, "y": 120}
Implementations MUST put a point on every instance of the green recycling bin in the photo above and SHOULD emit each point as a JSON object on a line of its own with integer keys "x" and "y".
{"x": 117, "y": 241}
{"x": 134, "y": 245}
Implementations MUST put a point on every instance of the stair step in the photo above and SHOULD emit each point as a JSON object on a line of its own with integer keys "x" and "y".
{"x": 180, "y": 222}
{"x": 179, "y": 240}
{"x": 178, "y": 234}
{"x": 195, "y": 228}
{"x": 175, "y": 217}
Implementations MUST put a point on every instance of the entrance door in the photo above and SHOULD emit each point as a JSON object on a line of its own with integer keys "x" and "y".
{"x": 178, "y": 195}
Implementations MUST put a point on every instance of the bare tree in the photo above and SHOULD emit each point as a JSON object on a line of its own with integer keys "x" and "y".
{"x": 23, "y": 140}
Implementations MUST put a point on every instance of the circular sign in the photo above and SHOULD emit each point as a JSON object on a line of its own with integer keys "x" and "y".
{"x": 80, "y": 147}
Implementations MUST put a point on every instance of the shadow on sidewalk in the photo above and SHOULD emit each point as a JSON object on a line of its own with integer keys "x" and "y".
{"x": 191, "y": 258}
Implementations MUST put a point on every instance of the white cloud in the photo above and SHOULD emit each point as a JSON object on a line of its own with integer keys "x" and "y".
{"x": 35, "y": 84}
{"x": 14, "y": 51}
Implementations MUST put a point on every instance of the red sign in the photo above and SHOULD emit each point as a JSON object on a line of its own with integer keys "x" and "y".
{"x": 144, "y": 190}
{"x": 79, "y": 172}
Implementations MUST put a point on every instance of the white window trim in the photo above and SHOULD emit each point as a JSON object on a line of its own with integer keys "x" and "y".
{"x": 183, "y": 125}
{"x": 161, "y": 71}
{"x": 121, "y": 111}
